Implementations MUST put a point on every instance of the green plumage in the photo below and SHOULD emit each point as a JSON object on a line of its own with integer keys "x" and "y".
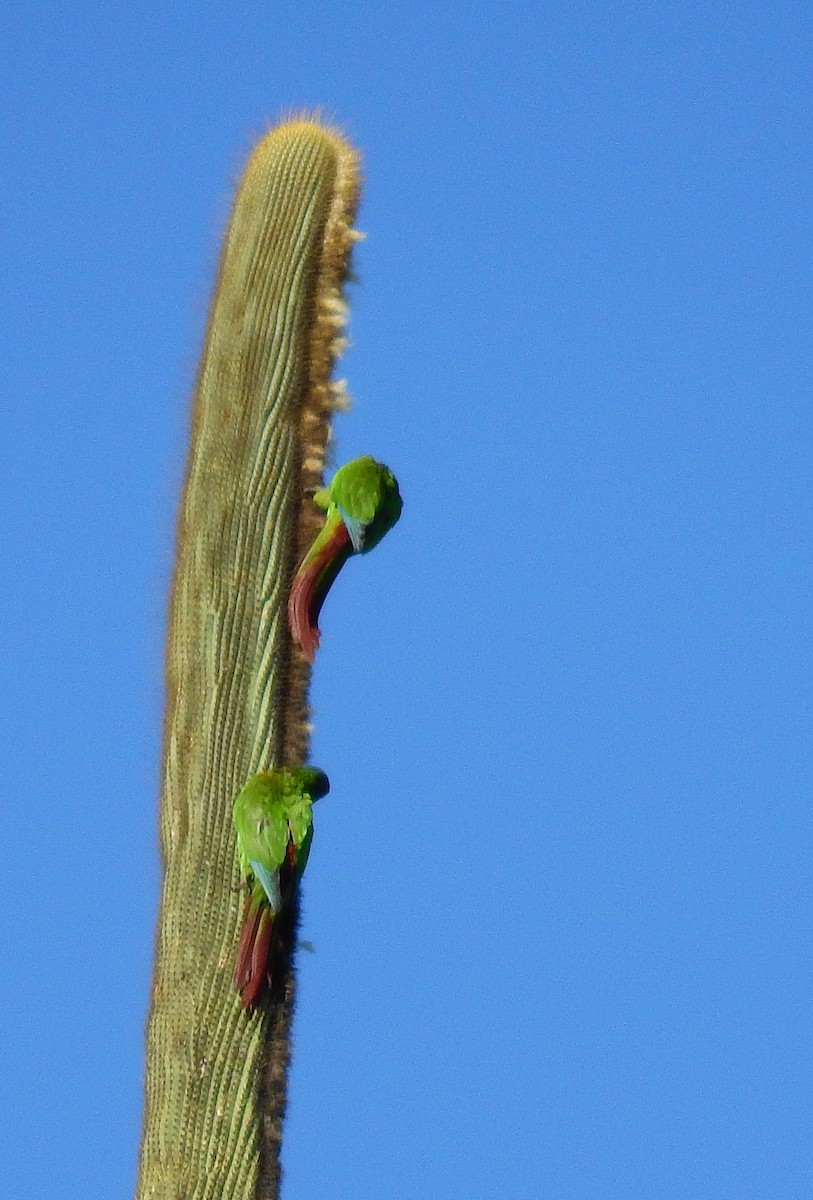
{"x": 361, "y": 504}
{"x": 273, "y": 809}
{"x": 366, "y": 493}
{"x": 274, "y": 827}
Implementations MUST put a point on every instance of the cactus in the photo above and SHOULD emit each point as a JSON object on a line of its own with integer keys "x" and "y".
{"x": 236, "y": 685}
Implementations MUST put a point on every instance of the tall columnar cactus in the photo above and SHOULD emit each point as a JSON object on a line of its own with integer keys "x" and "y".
{"x": 237, "y": 686}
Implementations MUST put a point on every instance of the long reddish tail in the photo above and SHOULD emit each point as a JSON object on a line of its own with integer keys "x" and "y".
{"x": 252, "y": 971}
{"x": 313, "y": 581}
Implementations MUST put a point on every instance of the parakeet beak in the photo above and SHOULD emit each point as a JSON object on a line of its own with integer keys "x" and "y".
{"x": 313, "y": 581}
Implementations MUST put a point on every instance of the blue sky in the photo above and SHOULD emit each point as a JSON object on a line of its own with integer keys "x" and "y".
{"x": 560, "y": 891}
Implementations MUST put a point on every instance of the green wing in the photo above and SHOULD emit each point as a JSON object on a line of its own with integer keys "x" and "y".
{"x": 303, "y": 850}
{"x": 273, "y": 809}
{"x": 261, "y": 823}
{"x": 307, "y": 784}
{"x": 366, "y": 495}
{"x": 356, "y": 488}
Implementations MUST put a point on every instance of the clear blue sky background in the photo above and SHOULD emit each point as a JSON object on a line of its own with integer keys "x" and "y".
{"x": 560, "y": 892}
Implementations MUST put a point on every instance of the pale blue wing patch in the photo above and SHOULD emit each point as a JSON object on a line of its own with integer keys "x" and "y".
{"x": 355, "y": 527}
{"x": 270, "y": 883}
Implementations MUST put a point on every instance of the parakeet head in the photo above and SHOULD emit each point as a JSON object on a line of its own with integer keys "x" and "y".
{"x": 388, "y": 509}
{"x": 313, "y": 781}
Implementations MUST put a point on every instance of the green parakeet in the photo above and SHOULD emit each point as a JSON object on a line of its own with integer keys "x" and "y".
{"x": 272, "y": 819}
{"x": 360, "y": 506}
